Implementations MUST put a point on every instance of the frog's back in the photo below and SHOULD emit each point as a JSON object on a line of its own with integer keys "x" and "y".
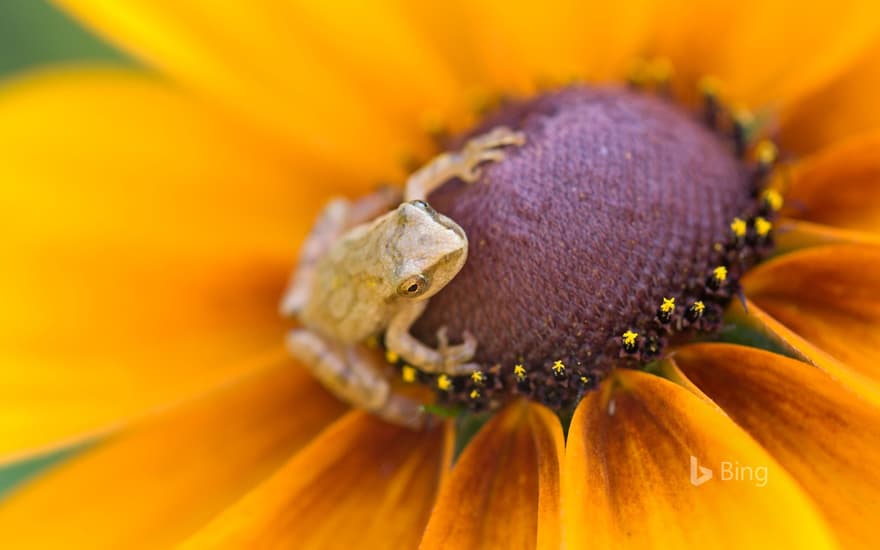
{"x": 349, "y": 299}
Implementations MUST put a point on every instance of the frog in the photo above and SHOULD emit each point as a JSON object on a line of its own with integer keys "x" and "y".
{"x": 367, "y": 270}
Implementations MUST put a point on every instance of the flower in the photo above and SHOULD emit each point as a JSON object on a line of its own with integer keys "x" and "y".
{"x": 150, "y": 221}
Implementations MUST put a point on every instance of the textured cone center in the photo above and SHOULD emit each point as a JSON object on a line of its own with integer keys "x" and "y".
{"x": 614, "y": 203}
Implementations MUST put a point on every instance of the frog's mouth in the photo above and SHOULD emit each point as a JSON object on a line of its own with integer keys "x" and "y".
{"x": 447, "y": 222}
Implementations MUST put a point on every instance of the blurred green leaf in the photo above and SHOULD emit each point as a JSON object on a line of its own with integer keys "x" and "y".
{"x": 16, "y": 473}
{"x": 34, "y": 33}
{"x": 753, "y": 337}
{"x": 466, "y": 427}
{"x": 443, "y": 411}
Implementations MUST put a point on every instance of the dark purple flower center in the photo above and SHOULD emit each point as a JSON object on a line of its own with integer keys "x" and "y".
{"x": 620, "y": 227}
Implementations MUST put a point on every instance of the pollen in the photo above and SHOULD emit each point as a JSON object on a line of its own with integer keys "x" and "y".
{"x": 444, "y": 382}
{"x": 630, "y": 341}
{"x": 738, "y": 226}
{"x": 743, "y": 116}
{"x": 478, "y": 377}
{"x": 391, "y": 356}
{"x": 695, "y": 311}
{"x": 666, "y": 309}
{"x": 409, "y": 374}
{"x": 773, "y": 199}
{"x": 519, "y": 371}
{"x": 719, "y": 274}
{"x": 558, "y": 367}
{"x": 766, "y": 152}
{"x": 762, "y": 226}
{"x": 709, "y": 86}
{"x": 475, "y": 394}
{"x": 743, "y": 125}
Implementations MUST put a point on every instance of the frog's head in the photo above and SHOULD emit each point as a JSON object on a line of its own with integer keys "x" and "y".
{"x": 428, "y": 250}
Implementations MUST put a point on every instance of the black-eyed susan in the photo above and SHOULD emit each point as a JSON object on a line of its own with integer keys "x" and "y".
{"x": 150, "y": 222}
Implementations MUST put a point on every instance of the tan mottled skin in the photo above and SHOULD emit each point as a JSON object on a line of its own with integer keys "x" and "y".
{"x": 361, "y": 276}
{"x": 355, "y": 294}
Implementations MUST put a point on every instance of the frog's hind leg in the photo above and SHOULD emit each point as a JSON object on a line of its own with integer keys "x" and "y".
{"x": 338, "y": 216}
{"x": 462, "y": 164}
{"x": 354, "y": 376}
{"x": 452, "y": 360}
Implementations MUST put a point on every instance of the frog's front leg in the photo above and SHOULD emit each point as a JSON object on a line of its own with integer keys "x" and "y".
{"x": 338, "y": 216}
{"x": 353, "y": 374}
{"x": 452, "y": 360}
{"x": 462, "y": 164}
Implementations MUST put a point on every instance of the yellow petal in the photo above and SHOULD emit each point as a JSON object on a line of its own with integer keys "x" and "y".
{"x": 262, "y": 61}
{"x": 160, "y": 481}
{"x": 626, "y": 479}
{"x": 348, "y": 81}
{"x": 504, "y": 489}
{"x": 839, "y": 186}
{"x": 376, "y": 47}
{"x": 766, "y": 53}
{"x": 361, "y": 484}
{"x": 845, "y": 107}
{"x": 797, "y": 234}
{"x": 830, "y": 296}
{"x": 776, "y": 335}
{"x": 146, "y": 243}
{"x": 824, "y": 435}
{"x": 519, "y": 43}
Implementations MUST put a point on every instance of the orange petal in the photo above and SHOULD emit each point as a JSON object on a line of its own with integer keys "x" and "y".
{"x": 361, "y": 484}
{"x": 766, "y": 53}
{"x": 824, "y": 435}
{"x": 504, "y": 490}
{"x": 146, "y": 243}
{"x": 845, "y": 107}
{"x": 830, "y": 296}
{"x": 797, "y": 234}
{"x": 627, "y": 476}
{"x": 159, "y": 482}
{"x": 771, "y": 334}
{"x": 269, "y": 62}
{"x": 839, "y": 186}
{"x": 668, "y": 369}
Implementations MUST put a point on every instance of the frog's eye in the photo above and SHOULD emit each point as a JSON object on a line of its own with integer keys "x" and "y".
{"x": 413, "y": 286}
{"x": 424, "y": 206}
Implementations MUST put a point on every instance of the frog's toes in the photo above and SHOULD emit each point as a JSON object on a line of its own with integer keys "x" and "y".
{"x": 461, "y": 369}
{"x": 472, "y": 172}
{"x": 500, "y": 136}
{"x": 460, "y": 353}
{"x": 487, "y": 148}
